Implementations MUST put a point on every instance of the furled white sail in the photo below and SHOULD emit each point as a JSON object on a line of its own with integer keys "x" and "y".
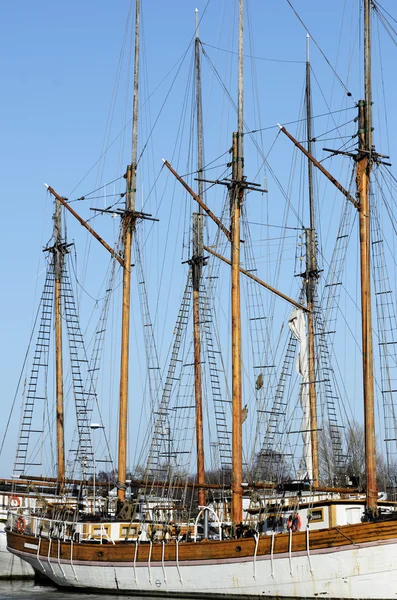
{"x": 297, "y": 324}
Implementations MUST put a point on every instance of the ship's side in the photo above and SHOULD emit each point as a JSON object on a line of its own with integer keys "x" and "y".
{"x": 341, "y": 562}
{"x": 11, "y": 566}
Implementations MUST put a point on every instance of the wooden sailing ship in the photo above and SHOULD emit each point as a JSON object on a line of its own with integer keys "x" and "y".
{"x": 330, "y": 557}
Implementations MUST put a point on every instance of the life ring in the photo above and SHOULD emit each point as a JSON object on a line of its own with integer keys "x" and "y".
{"x": 21, "y": 524}
{"x": 15, "y": 502}
{"x": 298, "y": 522}
{"x": 294, "y": 522}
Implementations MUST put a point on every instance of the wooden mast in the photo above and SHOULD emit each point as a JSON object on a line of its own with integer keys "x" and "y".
{"x": 196, "y": 265}
{"x": 364, "y": 160}
{"x": 58, "y": 251}
{"x": 236, "y": 199}
{"x": 311, "y": 280}
{"x": 129, "y": 220}
{"x": 364, "y": 165}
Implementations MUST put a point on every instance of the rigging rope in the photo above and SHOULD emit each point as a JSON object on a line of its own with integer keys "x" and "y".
{"x": 321, "y": 51}
{"x": 277, "y": 60}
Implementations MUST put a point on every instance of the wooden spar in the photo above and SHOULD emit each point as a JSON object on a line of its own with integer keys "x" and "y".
{"x": 260, "y": 281}
{"x": 364, "y": 166}
{"x": 320, "y": 167}
{"x": 37, "y": 480}
{"x": 198, "y": 200}
{"x": 236, "y": 194}
{"x": 58, "y": 251}
{"x": 198, "y": 399}
{"x": 367, "y": 75}
{"x": 236, "y": 200}
{"x": 227, "y": 233}
{"x": 260, "y": 485}
{"x": 197, "y": 265}
{"x": 363, "y": 170}
{"x": 200, "y": 151}
{"x": 128, "y": 224}
{"x": 311, "y": 282}
{"x": 85, "y": 224}
{"x": 129, "y": 221}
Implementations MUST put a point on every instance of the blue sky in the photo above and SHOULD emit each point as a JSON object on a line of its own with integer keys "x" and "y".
{"x": 58, "y": 69}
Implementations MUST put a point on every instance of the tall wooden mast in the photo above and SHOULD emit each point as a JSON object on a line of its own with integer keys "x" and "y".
{"x": 196, "y": 265}
{"x": 129, "y": 220}
{"x": 58, "y": 251}
{"x": 364, "y": 165}
{"x": 311, "y": 281}
{"x": 364, "y": 159}
{"x": 236, "y": 199}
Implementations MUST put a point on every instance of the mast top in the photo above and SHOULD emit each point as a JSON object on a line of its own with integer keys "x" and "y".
{"x": 307, "y": 47}
{"x": 197, "y": 22}
{"x": 367, "y": 74}
{"x": 240, "y": 93}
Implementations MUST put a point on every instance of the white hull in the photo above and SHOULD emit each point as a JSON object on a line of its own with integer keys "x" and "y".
{"x": 12, "y": 567}
{"x": 367, "y": 571}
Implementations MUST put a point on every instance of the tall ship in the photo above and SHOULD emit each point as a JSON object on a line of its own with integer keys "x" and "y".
{"x": 294, "y": 507}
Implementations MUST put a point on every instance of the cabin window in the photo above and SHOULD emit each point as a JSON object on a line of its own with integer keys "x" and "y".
{"x": 130, "y": 531}
{"x": 353, "y": 515}
{"x": 101, "y": 530}
{"x": 157, "y": 533}
{"x": 317, "y": 515}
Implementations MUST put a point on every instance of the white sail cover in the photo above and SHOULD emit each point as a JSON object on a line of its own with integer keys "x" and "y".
{"x": 297, "y": 324}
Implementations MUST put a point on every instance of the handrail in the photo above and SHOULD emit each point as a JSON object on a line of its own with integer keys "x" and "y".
{"x": 202, "y": 509}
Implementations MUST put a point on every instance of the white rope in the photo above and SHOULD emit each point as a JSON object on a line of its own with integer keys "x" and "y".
{"x": 104, "y": 534}
{"x": 290, "y": 552}
{"x": 256, "y": 536}
{"x": 216, "y": 517}
{"x": 36, "y": 527}
{"x": 71, "y": 558}
{"x": 177, "y": 561}
{"x": 59, "y": 558}
{"x": 148, "y": 561}
{"x": 271, "y": 554}
{"x": 136, "y": 552}
{"x": 162, "y": 562}
{"x": 38, "y": 552}
{"x": 308, "y": 550}
{"x": 49, "y": 555}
